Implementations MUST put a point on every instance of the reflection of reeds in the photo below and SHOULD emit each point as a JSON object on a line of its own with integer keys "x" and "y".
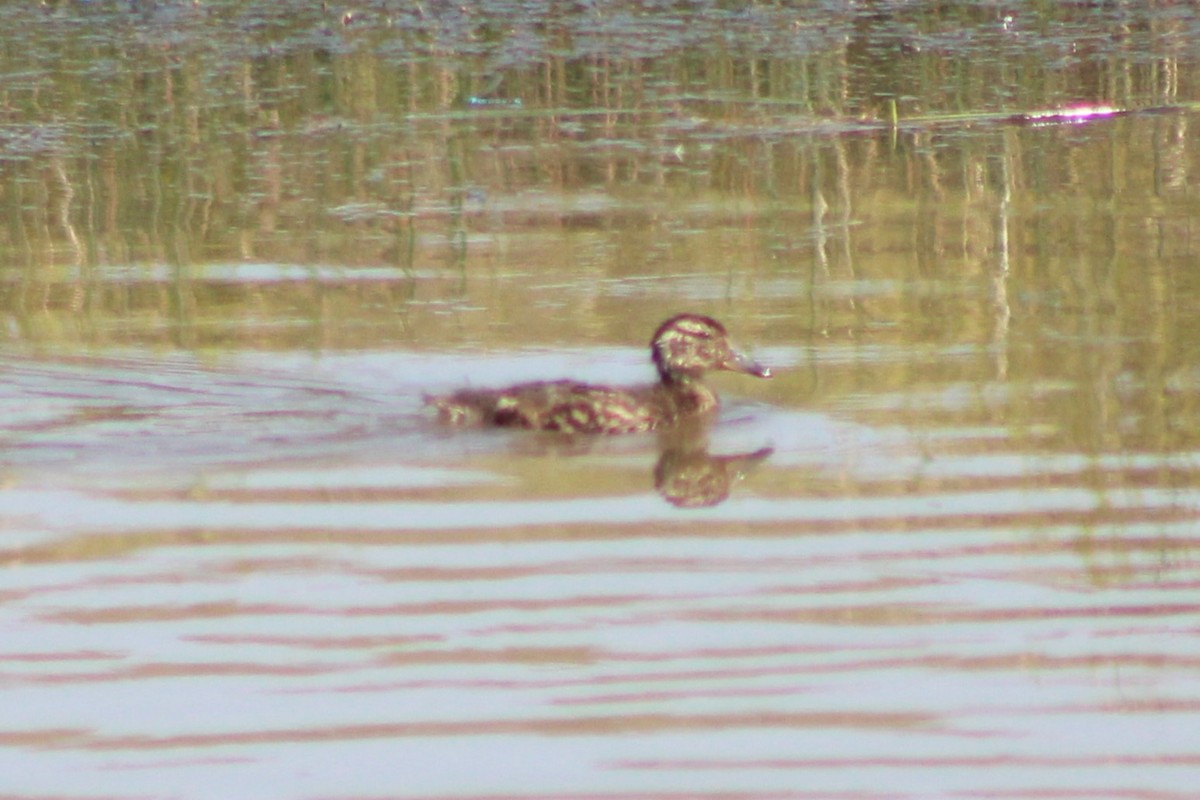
{"x": 221, "y": 139}
{"x": 745, "y": 158}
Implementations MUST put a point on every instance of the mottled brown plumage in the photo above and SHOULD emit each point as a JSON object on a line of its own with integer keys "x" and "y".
{"x": 683, "y": 349}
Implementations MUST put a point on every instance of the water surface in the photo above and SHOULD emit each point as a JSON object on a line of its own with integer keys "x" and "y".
{"x": 948, "y": 551}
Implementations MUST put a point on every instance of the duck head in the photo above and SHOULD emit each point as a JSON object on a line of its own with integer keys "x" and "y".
{"x": 688, "y": 345}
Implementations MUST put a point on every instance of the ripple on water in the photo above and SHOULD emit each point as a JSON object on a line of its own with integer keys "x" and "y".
{"x": 223, "y": 571}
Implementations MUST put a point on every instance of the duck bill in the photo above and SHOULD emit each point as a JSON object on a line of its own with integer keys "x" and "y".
{"x": 737, "y": 362}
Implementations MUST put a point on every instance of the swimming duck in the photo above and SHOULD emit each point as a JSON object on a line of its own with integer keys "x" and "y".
{"x": 683, "y": 348}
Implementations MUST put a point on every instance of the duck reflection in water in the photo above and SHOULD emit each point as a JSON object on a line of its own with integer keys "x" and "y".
{"x": 691, "y": 477}
{"x": 683, "y": 349}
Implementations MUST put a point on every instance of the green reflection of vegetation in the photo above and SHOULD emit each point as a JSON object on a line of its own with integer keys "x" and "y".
{"x": 277, "y": 175}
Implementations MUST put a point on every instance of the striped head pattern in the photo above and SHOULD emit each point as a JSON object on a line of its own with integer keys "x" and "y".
{"x": 688, "y": 345}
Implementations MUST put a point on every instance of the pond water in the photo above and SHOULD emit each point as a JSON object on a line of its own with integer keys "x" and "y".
{"x": 949, "y": 550}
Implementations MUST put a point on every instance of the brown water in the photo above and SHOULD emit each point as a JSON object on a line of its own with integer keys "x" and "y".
{"x": 948, "y": 551}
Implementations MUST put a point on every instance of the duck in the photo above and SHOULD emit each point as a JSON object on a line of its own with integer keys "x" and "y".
{"x": 683, "y": 348}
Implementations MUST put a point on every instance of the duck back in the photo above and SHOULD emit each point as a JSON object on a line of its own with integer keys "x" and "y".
{"x": 573, "y": 407}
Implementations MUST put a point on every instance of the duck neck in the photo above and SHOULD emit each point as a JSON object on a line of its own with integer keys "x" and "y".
{"x": 670, "y": 378}
{"x": 685, "y": 394}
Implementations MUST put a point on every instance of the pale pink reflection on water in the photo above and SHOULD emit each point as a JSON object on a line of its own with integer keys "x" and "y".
{"x": 473, "y": 614}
